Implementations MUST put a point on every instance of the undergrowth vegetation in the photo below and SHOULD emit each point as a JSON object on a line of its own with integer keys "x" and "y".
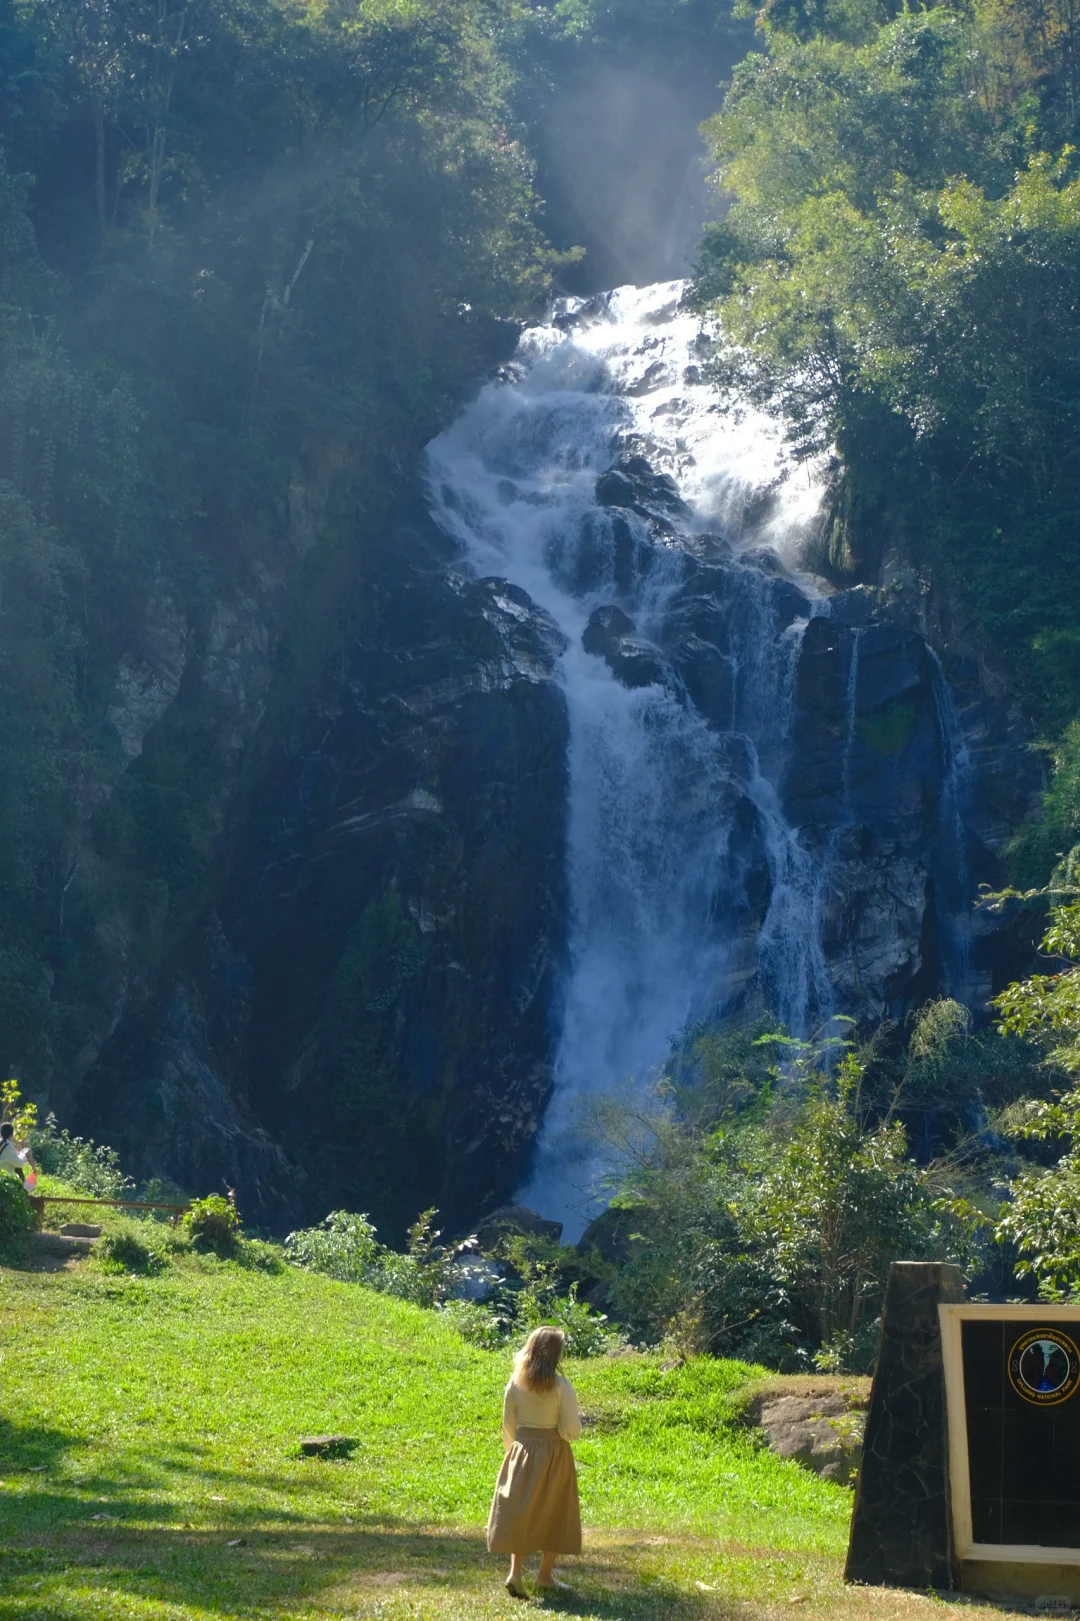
{"x": 759, "y": 1193}
{"x": 519, "y": 1296}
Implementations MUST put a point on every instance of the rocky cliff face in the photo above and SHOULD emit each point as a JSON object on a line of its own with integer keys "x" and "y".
{"x": 367, "y": 1007}
{"x": 364, "y": 1018}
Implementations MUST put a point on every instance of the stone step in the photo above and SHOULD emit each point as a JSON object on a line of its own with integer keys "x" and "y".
{"x": 49, "y": 1251}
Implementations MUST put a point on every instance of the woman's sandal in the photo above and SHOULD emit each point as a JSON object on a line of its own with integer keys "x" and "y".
{"x": 515, "y": 1589}
{"x": 554, "y": 1586}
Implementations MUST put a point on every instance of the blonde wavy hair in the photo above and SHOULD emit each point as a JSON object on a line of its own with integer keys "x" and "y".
{"x": 536, "y": 1365}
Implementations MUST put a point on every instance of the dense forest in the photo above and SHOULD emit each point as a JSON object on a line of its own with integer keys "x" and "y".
{"x": 255, "y": 252}
{"x": 251, "y": 254}
{"x": 900, "y": 271}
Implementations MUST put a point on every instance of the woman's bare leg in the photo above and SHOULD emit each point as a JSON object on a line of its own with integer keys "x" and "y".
{"x": 517, "y": 1569}
{"x": 547, "y": 1570}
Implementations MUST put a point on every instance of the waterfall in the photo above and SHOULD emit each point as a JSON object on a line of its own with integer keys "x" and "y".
{"x": 654, "y": 789}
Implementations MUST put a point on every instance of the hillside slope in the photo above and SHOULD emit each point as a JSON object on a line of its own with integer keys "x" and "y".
{"x": 150, "y": 1466}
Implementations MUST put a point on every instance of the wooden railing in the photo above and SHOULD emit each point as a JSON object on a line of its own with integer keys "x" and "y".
{"x": 40, "y": 1200}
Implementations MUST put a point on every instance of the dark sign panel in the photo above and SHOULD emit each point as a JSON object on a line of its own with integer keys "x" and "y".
{"x": 1023, "y": 1431}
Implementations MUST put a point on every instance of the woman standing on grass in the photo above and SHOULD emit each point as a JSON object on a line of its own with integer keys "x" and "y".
{"x": 536, "y": 1495}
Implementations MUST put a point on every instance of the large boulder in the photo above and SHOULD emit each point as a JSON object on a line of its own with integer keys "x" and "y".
{"x": 514, "y": 1220}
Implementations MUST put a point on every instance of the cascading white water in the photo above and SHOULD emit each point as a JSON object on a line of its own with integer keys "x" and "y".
{"x": 514, "y": 480}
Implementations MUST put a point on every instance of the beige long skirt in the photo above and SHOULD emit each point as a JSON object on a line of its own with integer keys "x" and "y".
{"x": 536, "y": 1497}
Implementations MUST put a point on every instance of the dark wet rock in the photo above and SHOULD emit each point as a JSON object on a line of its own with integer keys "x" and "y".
{"x": 610, "y": 634}
{"x": 378, "y": 977}
{"x": 610, "y": 1234}
{"x": 708, "y": 676}
{"x": 893, "y": 667}
{"x": 571, "y": 312}
{"x": 632, "y": 485}
{"x": 653, "y": 377}
{"x": 764, "y": 558}
{"x": 710, "y": 548}
{"x": 789, "y": 603}
{"x": 512, "y": 1220}
{"x": 615, "y": 489}
{"x": 656, "y": 487}
{"x": 631, "y": 554}
{"x": 637, "y": 663}
{"x": 606, "y": 625}
{"x": 855, "y": 607}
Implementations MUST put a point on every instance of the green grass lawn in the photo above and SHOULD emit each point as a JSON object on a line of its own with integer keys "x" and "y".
{"x": 149, "y": 1464}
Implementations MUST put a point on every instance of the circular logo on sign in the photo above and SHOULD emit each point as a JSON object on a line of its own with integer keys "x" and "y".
{"x": 1044, "y": 1367}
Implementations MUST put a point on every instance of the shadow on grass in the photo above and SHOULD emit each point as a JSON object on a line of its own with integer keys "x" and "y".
{"x": 351, "y": 1570}
{"x": 31, "y": 1449}
{"x": 365, "y": 1569}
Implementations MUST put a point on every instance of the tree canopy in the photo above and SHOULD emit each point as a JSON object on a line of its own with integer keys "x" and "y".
{"x": 899, "y": 270}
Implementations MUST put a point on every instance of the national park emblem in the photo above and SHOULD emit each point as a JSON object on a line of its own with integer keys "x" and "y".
{"x": 1044, "y": 1367}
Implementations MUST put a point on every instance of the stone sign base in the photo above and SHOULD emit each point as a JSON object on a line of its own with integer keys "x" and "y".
{"x": 900, "y": 1524}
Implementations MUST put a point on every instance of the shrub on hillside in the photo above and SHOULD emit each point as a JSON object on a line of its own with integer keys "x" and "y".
{"x": 345, "y": 1246}
{"x": 85, "y": 1166}
{"x": 342, "y": 1246}
{"x": 767, "y": 1232}
{"x": 424, "y": 1274}
{"x": 129, "y": 1249}
{"x": 213, "y": 1224}
{"x": 16, "y": 1212}
{"x": 256, "y": 1255}
{"x": 588, "y": 1332}
{"x": 478, "y": 1325}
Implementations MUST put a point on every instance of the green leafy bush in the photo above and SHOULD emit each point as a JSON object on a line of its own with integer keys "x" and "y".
{"x": 478, "y": 1325}
{"x": 343, "y": 1246}
{"x": 129, "y": 1250}
{"x": 257, "y": 1255}
{"x": 85, "y": 1166}
{"x": 16, "y": 1213}
{"x": 768, "y": 1234}
{"x": 424, "y": 1273}
{"x": 213, "y": 1224}
{"x": 588, "y": 1332}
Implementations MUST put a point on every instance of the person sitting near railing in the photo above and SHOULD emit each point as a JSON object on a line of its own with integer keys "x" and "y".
{"x": 15, "y": 1156}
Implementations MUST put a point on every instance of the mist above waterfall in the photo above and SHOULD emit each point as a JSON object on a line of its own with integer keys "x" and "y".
{"x": 625, "y": 170}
